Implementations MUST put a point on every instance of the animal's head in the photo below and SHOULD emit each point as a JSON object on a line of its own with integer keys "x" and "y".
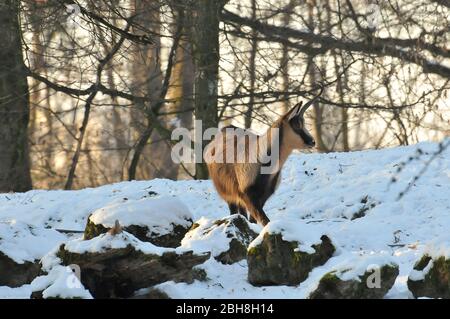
{"x": 295, "y": 133}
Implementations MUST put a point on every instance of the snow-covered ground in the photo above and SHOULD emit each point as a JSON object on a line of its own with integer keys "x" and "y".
{"x": 322, "y": 192}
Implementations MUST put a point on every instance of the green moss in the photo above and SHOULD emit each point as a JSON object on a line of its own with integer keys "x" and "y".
{"x": 332, "y": 287}
{"x": 436, "y": 283}
{"x": 278, "y": 262}
{"x": 297, "y": 258}
{"x": 92, "y": 230}
{"x": 330, "y": 281}
{"x": 293, "y": 244}
{"x": 330, "y": 278}
{"x": 254, "y": 251}
{"x": 221, "y": 222}
{"x": 422, "y": 263}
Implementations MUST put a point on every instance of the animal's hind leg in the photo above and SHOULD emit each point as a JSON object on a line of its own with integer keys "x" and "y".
{"x": 234, "y": 209}
{"x": 254, "y": 206}
{"x": 243, "y": 212}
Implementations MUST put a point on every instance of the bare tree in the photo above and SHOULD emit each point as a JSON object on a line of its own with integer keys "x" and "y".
{"x": 205, "y": 45}
{"x": 14, "y": 103}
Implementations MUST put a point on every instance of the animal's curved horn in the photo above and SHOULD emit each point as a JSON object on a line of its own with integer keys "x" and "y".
{"x": 309, "y": 103}
{"x": 295, "y": 110}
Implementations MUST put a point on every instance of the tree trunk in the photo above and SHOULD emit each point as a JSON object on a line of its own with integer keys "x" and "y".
{"x": 284, "y": 63}
{"x": 152, "y": 158}
{"x": 340, "y": 84}
{"x": 318, "y": 111}
{"x": 252, "y": 71}
{"x": 14, "y": 104}
{"x": 205, "y": 41}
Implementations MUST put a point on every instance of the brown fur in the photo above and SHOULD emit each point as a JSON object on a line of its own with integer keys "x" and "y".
{"x": 242, "y": 185}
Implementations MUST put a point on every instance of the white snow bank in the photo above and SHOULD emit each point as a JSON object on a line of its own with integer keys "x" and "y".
{"x": 23, "y": 292}
{"x": 212, "y": 235}
{"x": 158, "y": 214}
{"x": 106, "y": 241}
{"x": 417, "y": 275}
{"x": 439, "y": 247}
{"x": 60, "y": 282}
{"x": 355, "y": 266}
{"x": 215, "y": 240}
{"x": 22, "y": 242}
{"x": 292, "y": 229}
{"x": 319, "y": 192}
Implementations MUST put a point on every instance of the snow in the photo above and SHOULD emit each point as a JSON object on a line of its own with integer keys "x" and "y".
{"x": 319, "y": 194}
{"x": 439, "y": 247}
{"x": 158, "y": 214}
{"x": 207, "y": 237}
{"x": 355, "y": 266}
{"x": 416, "y": 275}
{"x": 292, "y": 229}
{"x": 25, "y": 243}
{"x": 211, "y": 236}
{"x": 106, "y": 241}
{"x": 23, "y": 292}
{"x": 60, "y": 282}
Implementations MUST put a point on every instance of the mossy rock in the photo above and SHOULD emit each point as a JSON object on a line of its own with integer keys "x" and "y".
{"x": 13, "y": 274}
{"x": 241, "y": 235}
{"x": 435, "y": 283}
{"x": 278, "y": 262}
{"x": 333, "y": 287}
{"x": 234, "y": 230}
{"x": 173, "y": 239}
{"x": 118, "y": 273}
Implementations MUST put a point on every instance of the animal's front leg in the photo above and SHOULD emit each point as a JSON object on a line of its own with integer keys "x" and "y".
{"x": 233, "y": 208}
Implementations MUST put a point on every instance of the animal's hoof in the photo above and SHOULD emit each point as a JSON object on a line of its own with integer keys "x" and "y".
{"x": 265, "y": 221}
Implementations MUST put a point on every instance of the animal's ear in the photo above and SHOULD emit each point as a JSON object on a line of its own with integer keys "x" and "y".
{"x": 293, "y": 112}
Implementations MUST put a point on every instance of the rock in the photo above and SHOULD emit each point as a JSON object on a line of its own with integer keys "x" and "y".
{"x": 161, "y": 221}
{"x": 364, "y": 286}
{"x": 153, "y": 293}
{"x": 275, "y": 261}
{"x": 227, "y": 239}
{"x": 430, "y": 277}
{"x": 21, "y": 248}
{"x": 128, "y": 265}
{"x": 13, "y": 274}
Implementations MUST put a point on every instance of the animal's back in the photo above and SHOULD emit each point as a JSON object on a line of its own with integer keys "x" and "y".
{"x": 230, "y": 179}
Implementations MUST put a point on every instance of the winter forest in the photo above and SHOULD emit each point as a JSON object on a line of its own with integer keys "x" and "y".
{"x": 91, "y": 90}
{"x": 351, "y": 96}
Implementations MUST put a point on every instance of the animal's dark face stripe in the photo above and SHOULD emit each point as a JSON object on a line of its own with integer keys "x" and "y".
{"x": 298, "y": 128}
{"x": 306, "y": 137}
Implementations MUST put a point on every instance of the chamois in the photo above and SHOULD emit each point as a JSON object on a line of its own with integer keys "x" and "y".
{"x": 241, "y": 183}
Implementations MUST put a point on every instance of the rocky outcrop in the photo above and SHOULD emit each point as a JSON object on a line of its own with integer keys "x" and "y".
{"x": 21, "y": 247}
{"x": 143, "y": 233}
{"x": 365, "y": 286}
{"x": 14, "y": 274}
{"x": 227, "y": 239}
{"x": 274, "y": 261}
{"x": 153, "y": 293}
{"x": 430, "y": 278}
{"x": 119, "y": 272}
{"x": 161, "y": 221}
